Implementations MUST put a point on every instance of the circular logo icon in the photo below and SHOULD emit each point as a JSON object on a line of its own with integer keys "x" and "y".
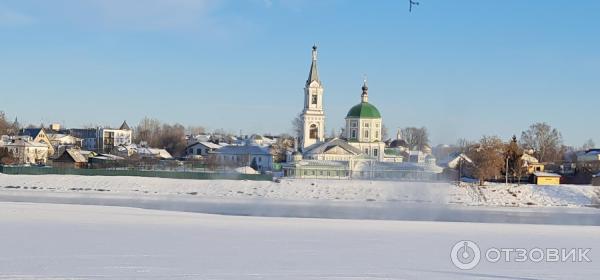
{"x": 465, "y": 255}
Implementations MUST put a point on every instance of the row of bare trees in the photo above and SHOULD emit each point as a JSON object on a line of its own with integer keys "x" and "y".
{"x": 170, "y": 137}
{"x": 6, "y": 128}
{"x": 492, "y": 157}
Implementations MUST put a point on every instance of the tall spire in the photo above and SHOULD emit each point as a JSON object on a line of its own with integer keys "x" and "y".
{"x": 313, "y": 75}
{"x": 364, "y": 97}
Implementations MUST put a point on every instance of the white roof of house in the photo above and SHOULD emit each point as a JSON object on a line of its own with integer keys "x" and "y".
{"x": 209, "y": 145}
{"x": 545, "y": 174}
{"x": 154, "y": 152}
{"x": 26, "y": 143}
{"x": 529, "y": 158}
{"x": 76, "y": 155}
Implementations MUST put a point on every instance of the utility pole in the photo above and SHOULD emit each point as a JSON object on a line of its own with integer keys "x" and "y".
{"x": 506, "y": 171}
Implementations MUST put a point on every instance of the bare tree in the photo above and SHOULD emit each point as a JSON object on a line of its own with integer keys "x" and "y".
{"x": 589, "y": 144}
{"x": 172, "y": 139}
{"x": 148, "y": 130}
{"x": 487, "y": 157}
{"x": 195, "y": 130}
{"x": 281, "y": 146}
{"x": 384, "y": 132}
{"x": 4, "y": 125}
{"x": 298, "y": 126}
{"x": 6, "y": 157}
{"x": 417, "y": 138}
{"x": 514, "y": 157}
{"x": 545, "y": 141}
{"x": 464, "y": 144}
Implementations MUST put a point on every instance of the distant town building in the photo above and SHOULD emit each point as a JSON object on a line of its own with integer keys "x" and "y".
{"x": 201, "y": 149}
{"x": 26, "y": 151}
{"x": 546, "y": 179}
{"x": 70, "y": 158}
{"x": 38, "y": 135}
{"x": 103, "y": 140}
{"x": 257, "y": 157}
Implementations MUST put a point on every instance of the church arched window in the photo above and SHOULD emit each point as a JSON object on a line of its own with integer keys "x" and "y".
{"x": 366, "y": 133}
{"x": 313, "y": 132}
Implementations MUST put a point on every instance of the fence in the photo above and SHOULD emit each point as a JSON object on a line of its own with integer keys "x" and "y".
{"x": 140, "y": 173}
{"x": 375, "y": 174}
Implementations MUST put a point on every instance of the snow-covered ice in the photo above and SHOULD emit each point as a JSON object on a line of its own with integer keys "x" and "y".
{"x": 53, "y": 241}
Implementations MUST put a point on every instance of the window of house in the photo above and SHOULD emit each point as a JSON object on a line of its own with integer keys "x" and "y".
{"x": 353, "y": 124}
{"x": 366, "y": 133}
{"x": 353, "y": 134}
{"x": 376, "y": 134}
{"x": 259, "y": 159}
{"x": 367, "y": 151}
{"x": 314, "y": 99}
{"x": 366, "y": 124}
{"x": 375, "y": 152}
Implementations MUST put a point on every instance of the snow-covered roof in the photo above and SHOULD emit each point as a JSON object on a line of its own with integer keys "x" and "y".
{"x": 207, "y": 144}
{"x": 545, "y": 174}
{"x": 320, "y": 148}
{"x": 75, "y": 155}
{"x": 26, "y": 143}
{"x": 529, "y": 158}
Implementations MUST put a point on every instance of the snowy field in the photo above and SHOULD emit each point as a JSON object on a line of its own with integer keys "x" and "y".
{"x": 308, "y": 190}
{"x": 53, "y": 241}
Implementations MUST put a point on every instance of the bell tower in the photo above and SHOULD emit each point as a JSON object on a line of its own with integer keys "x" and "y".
{"x": 313, "y": 117}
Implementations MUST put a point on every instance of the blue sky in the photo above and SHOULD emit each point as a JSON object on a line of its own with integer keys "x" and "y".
{"x": 460, "y": 68}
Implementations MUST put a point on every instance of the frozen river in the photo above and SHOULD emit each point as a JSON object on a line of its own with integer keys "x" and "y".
{"x": 416, "y": 211}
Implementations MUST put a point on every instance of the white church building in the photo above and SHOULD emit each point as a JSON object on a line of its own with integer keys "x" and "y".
{"x": 358, "y": 153}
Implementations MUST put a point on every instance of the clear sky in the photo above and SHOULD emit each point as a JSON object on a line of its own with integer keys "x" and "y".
{"x": 461, "y": 68}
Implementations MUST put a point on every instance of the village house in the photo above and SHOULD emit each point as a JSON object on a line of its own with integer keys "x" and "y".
{"x": 70, "y": 158}
{"x": 201, "y": 149}
{"x": 258, "y": 158}
{"x": 103, "y": 140}
{"x": 26, "y": 151}
{"x": 38, "y": 135}
{"x": 142, "y": 151}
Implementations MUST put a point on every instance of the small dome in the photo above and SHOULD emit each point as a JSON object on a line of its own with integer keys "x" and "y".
{"x": 364, "y": 110}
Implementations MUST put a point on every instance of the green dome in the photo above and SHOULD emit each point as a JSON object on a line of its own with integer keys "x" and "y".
{"x": 364, "y": 110}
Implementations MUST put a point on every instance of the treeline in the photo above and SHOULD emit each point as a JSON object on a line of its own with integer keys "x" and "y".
{"x": 492, "y": 157}
{"x": 171, "y": 137}
{"x": 6, "y": 127}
